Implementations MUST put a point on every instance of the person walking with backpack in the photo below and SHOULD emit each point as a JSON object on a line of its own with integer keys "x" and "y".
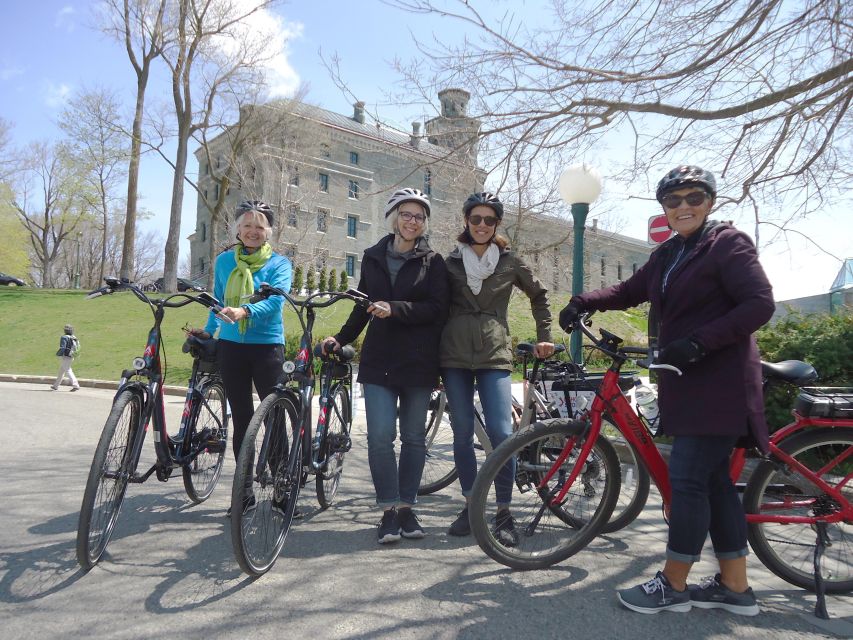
{"x": 69, "y": 347}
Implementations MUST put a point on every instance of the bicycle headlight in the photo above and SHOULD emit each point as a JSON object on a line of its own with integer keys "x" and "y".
{"x": 139, "y": 363}
{"x": 288, "y": 367}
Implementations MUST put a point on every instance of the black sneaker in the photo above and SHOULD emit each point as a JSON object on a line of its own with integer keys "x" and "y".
{"x": 713, "y": 594}
{"x": 461, "y": 526}
{"x": 389, "y": 527}
{"x": 504, "y": 529}
{"x": 655, "y": 595}
{"x": 410, "y": 526}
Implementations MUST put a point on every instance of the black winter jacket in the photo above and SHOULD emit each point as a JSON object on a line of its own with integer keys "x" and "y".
{"x": 401, "y": 350}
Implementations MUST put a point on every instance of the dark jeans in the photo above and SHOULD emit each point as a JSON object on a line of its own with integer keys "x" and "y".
{"x": 704, "y": 500}
{"x": 241, "y": 365}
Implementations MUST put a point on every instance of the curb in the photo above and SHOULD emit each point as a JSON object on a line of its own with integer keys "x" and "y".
{"x": 169, "y": 390}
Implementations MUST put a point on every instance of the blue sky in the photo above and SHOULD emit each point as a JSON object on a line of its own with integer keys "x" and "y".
{"x": 48, "y": 50}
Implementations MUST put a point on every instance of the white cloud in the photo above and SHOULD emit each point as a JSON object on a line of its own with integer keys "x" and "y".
{"x": 8, "y": 71}
{"x": 55, "y": 95}
{"x": 64, "y": 18}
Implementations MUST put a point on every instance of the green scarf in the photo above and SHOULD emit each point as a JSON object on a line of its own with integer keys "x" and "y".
{"x": 240, "y": 285}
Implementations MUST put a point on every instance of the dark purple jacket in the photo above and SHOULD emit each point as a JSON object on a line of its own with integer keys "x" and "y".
{"x": 719, "y": 295}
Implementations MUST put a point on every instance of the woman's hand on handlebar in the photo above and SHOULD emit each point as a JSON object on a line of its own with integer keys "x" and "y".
{"x": 235, "y": 314}
{"x": 330, "y": 344}
{"x": 380, "y": 309}
{"x": 543, "y": 350}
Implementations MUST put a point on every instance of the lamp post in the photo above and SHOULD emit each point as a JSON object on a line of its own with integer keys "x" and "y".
{"x": 77, "y": 269}
{"x": 580, "y": 186}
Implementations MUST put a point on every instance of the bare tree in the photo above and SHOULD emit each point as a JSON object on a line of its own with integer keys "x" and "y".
{"x": 757, "y": 90}
{"x": 139, "y": 24}
{"x": 90, "y": 121}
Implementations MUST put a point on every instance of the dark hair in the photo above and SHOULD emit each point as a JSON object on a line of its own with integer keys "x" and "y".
{"x": 686, "y": 176}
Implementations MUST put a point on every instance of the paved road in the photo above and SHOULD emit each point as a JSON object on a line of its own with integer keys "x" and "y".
{"x": 170, "y": 569}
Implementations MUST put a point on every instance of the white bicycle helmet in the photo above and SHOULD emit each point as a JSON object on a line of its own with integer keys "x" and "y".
{"x": 407, "y": 195}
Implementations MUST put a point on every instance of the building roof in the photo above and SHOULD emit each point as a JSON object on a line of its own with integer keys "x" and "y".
{"x": 844, "y": 279}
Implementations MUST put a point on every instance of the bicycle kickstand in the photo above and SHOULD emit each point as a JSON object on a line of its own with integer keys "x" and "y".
{"x": 820, "y": 545}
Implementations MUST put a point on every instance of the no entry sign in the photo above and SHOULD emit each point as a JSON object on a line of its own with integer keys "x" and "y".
{"x": 659, "y": 230}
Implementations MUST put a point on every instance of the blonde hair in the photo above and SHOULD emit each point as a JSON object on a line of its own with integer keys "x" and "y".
{"x": 256, "y": 216}
{"x": 391, "y": 221}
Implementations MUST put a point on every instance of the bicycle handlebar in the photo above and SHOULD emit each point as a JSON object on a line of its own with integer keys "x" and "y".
{"x": 266, "y": 290}
{"x": 123, "y": 284}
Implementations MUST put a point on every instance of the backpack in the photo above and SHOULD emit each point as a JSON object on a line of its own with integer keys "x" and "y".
{"x": 75, "y": 347}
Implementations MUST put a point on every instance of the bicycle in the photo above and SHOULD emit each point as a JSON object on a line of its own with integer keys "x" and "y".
{"x": 197, "y": 449}
{"x": 279, "y": 452}
{"x": 440, "y": 468}
{"x": 803, "y": 485}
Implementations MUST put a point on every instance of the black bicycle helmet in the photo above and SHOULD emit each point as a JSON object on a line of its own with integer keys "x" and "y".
{"x": 255, "y": 205}
{"x": 484, "y": 198}
{"x": 407, "y": 195}
{"x": 686, "y": 176}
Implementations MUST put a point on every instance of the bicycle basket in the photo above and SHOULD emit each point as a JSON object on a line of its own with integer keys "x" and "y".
{"x": 204, "y": 351}
{"x": 825, "y": 402}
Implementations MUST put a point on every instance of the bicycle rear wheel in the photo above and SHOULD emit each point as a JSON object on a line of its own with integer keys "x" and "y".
{"x": 547, "y": 532}
{"x": 439, "y": 467}
{"x": 208, "y": 424}
{"x": 266, "y": 484}
{"x": 336, "y": 443}
{"x": 634, "y": 491}
{"x": 774, "y": 489}
{"x": 108, "y": 478}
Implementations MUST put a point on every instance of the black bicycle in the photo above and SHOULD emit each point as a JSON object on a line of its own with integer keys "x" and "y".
{"x": 278, "y": 452}
{"x": 197, "y": 449}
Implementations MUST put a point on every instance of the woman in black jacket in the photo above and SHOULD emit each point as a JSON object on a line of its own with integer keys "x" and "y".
{"x": 407, "y": 282}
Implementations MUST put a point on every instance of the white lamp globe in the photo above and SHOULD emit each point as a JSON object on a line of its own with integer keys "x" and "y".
{"x": 580, "y": 183}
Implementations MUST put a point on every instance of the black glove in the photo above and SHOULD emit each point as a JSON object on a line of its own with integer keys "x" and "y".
{"x": 682, "y": 353}
{"x": 569, "y": 315}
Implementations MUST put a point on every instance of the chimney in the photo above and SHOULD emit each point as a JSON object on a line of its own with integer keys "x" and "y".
{"x": 358, "y": 112}
{"x": 415, "y": 138}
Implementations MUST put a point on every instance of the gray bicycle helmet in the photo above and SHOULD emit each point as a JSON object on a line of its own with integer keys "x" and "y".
{"x": 484, "y": 198}
{"x": 255, "y": 205}
{"x": 407, "y": 195}
{"x": 686, "y": 176}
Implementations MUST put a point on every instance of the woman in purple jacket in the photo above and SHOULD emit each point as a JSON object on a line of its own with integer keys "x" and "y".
{"x": 709, "y": 294}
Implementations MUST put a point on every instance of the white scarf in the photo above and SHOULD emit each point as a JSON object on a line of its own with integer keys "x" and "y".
{"x": 479, "y": 268}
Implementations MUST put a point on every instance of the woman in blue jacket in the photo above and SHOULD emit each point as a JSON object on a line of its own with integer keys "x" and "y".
{"x": 251, "y": 349}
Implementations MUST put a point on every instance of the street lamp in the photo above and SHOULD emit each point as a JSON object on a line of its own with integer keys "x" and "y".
{"x": 580, "y": 186}
{"x": 77, "y": 270}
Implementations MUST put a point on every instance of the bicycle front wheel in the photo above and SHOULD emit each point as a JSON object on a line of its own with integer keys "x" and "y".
{"x": 108, "y": 478}
{"x": 775, "y": 489}
{"x": 439, "y": 466}
{"x": 635, "y": 482}
{"x": 546, "y": 531}
{"x": 335, "y": 445}
{"x": 266, "y": 484}
{"x": 208, "y": 432}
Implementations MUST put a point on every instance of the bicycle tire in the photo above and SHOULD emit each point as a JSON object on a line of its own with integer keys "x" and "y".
{"x": 108, "y": 478}
{"x": 209, "y": 421}
{"x": 788, "y": 549}
{"x": 634, "y": 485}
{"x": 439, "y": 466}
{"x": 335, "y": 444}
{"x": 262, "y": 503}
{"x": 547, "y": 533}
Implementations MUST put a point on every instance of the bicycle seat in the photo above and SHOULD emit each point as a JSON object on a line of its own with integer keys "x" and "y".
{"x": 795, "y": 372}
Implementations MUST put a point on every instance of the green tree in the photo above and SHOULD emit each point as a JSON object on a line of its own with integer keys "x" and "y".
{"x": 296, "y": 283}
{"x": 310, "y": 279}
{"x": 323, "y": 279}
{"x": 342, "y": 286}
{"x": 14, "y": 259}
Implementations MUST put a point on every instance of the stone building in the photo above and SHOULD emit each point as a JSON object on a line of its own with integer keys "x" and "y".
{"x": 328, "y": 177}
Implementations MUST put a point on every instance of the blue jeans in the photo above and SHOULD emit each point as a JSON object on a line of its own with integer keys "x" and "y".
{"x": 395, "y": 484}
{"x": 495, "y": 389}
{"x": 704, "y": 500}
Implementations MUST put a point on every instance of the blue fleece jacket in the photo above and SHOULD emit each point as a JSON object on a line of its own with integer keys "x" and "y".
{"x": 265, "y": 325}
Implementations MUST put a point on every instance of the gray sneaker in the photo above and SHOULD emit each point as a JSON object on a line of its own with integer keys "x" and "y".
{"x": 710, "y": 593}
{"x": 655, "y": 595}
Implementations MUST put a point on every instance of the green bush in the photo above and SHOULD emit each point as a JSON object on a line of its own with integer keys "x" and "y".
{"x": 824, "y": 341}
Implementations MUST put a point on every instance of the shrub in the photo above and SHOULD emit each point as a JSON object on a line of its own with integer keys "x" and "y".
{"x": 296, "y": 284}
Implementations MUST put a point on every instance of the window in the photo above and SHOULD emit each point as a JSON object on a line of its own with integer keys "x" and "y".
{"x": 294, "y": 176}
{"x": 205, "y": 169}
{"x": 201, "y": 266}
{"x": 292, "y": 215}
{"x": 603, "y": 268}
{"x": 634, "y": 268}
{"x": 353, "y": 157}
{"x": 203, "y": 233}
{"x": 351, "y": 266}
{"x": 352, "y": 226}
{"x": 321, "y": 256}
{"x": 205, "y": 195}
{"x": 353, "y": 189}
{"x": 428, "y": 182}
{"x": 325, "y": 151}
{"x": 218, "y": 163}
{"x": 619, "y": 271}
{"x": 216, "y": 192}
{"x": 324, "y": 183}
{"x": 322, "y": 218}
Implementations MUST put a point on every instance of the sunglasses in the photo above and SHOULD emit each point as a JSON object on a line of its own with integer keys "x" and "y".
{"x": 694, "y": 199}
{"x": 408, "y": 217}
{"x": 476, "y": 219}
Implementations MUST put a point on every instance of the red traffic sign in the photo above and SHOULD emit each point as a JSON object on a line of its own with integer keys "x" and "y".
{"x": 659, "y": 230}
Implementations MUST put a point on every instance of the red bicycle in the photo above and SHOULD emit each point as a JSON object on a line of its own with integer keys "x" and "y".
{"x": 799, "y": 498}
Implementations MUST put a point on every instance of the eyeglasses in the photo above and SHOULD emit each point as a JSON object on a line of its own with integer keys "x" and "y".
{"x": 408, "y": 217}
{"x": 476, "y": 219}
{"x": 694, "y": 199}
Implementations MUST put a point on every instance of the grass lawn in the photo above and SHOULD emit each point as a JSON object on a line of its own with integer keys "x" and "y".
{"x": 113, "y": 330}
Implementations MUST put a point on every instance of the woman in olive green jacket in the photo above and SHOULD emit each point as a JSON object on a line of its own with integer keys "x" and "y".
{"x": 476, "y": 346}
